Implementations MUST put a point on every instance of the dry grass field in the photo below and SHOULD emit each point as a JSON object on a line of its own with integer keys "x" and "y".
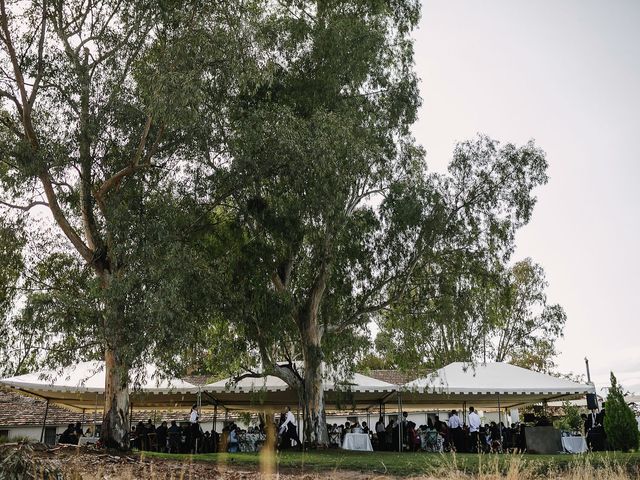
{"x": 35, "y": 462}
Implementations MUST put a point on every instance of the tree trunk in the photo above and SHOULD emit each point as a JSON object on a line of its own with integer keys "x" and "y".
{"x": 315, "y": 421}
{"x": 115, "y": 422}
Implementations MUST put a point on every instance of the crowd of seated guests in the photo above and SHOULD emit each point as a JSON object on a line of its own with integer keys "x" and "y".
{"x": 172, "y": 438}
{"x": 434, "y": 436}
{"x": 72, "y": 434}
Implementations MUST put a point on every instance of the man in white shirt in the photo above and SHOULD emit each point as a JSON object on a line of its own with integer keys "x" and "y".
{"x": 289, "y": 430}
{"x": 194, "y": 429}
{"x": 474, "y": 428}
{"x": 455, "y": 431}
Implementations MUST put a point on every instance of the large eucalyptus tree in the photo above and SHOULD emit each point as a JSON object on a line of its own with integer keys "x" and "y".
{"x": 103, "y": 102}
{"x": 338, "y": 210}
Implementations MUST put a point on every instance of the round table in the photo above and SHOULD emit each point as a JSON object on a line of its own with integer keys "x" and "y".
{"x": 87, "y": 440}
{"x": 574, "y": 444}
{"x": 357, "y": 441}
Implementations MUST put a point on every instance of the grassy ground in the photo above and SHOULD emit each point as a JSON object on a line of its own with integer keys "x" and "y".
{"x": 407, "y": 464}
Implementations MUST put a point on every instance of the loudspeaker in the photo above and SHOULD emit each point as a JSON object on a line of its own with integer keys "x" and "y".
{"x": 592, "y": 401}
{"x": 529, "y": 418}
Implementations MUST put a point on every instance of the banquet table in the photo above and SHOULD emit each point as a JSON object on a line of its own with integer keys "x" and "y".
{"x": 87, "y": 440}
{"x": 574, "y": 444}
{"x": 357, "y": 441}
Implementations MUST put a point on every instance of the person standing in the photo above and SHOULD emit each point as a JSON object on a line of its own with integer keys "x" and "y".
{"x": 381, "y": 433}
{"x": 162, "y": 433}
{"x": 194, "y": 429}
{"x": 289, "y": 430}
{"x": 474, "y": 429}
{"x": 455, "y": 431}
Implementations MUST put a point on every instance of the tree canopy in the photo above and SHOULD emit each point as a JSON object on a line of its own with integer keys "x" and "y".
{"x": 235, "y": 186}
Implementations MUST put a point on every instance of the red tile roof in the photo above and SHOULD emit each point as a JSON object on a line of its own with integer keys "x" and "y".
{"x": 396, "y": 377}
{"x": 21, "y": 410}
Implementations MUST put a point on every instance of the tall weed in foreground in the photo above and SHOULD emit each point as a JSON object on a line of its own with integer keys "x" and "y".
{"x": 517, "y": 467}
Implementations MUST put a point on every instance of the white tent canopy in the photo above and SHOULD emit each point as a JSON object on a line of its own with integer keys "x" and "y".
{"x": 82, "y": 386}
{"x": 483, "y": 386}
{"x": 488, "y": 385}
{"x": 358, "y": 391}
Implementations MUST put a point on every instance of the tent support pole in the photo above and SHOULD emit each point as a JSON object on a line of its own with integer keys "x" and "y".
{"x": 215, "y": 415}
{"x": 95, "y": 418}
{"x": 44, "y": 422}
{"x": 500, "y": 420}
{"x": 400, "y": 418}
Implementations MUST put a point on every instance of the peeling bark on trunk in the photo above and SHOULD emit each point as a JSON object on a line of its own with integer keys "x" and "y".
{"x": 115, "y": 422}
{"x": 315, "y": 420}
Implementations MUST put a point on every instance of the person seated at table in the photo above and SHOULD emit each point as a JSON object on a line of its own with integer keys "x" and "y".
{"x": 162, "y": 433}
{"x": 356, "y": 428}
{"x": 496, "y": 441}
{"x": 68, "y": 435}
{"x": 438, "y": 424}
{"x": 174, "y": 433}
{"x": 233, "y": 439}
{"x": 413, "y": 437}
{"x": 507, "y": 437}
{"x": 141, "y": 436}
{"x": 365, "y": 427}
{"x": 77, "y": 430}
{"x": 206, "y": 442}
{"x": 443, "y": 432}
{"x": 486, "y": 435}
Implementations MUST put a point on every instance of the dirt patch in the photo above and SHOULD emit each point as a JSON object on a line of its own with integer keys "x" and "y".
{"x": 88, "y": 463}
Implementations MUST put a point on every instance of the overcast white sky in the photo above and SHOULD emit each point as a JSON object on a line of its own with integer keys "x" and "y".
{"x": 567, "y": 74}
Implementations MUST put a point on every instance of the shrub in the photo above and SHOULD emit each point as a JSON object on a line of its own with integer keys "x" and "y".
{"x": 620, "y": 423}
{"x": 571, "y": 421}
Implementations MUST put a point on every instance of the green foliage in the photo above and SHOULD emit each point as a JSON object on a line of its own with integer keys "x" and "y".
{"x": 12, "y": 241}
{"x": 463, "y": 302}
{"x": 126, "y": 107}
{"x": 571, "y": 421}
{"x": 620, "y": 423}
{"x": 315, "y": 146}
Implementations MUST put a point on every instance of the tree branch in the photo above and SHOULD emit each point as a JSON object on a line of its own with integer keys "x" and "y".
{"x": 130, "y": 169}
{"x": 24, "y": 208}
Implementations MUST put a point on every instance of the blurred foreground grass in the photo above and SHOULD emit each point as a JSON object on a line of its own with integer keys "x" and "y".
{"x": 600, "y": 465}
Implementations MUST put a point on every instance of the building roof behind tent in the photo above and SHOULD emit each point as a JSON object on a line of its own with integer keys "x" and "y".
{"x": 495, "y": 378}
{"x": 90, "y": 377}
{"x": 81, "y": 386}
{"x": 198, "y": 380}
{"x": 395, "y": 377}
{"x": 22, "y": 411}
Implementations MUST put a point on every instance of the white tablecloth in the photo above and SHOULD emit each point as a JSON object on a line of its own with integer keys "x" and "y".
{"x": 87, "y": 440}
{"x": 357, "y": 441}
{"x": 574, "y": 444}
